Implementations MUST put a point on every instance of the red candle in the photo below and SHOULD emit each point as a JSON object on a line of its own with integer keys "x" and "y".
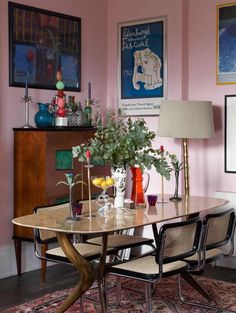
{"x": 87, "y": 154}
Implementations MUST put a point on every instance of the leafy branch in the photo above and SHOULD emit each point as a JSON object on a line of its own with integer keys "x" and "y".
{"x": 124, "y": 143}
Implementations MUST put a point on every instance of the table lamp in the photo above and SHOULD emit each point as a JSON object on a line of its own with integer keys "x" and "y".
{"x": 186, "y": 120}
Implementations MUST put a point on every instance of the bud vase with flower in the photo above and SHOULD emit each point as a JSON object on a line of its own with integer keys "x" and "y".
{"x": 71, "y": 182}
{"x": 176, "y": 167}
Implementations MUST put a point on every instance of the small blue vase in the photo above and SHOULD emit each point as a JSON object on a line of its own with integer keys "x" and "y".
{"x": 43, "y": 118}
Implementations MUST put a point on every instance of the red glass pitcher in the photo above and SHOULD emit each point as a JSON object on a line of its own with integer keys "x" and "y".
{"x": 138, "y": 189}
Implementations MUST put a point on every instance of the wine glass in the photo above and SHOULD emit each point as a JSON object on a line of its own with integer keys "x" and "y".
{"x": 103, "y": 182}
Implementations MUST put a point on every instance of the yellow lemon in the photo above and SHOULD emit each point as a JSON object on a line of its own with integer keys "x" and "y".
{"x": 97, "y": 181}
{"x": 103, "y": 184}
{"x": 110, "y": 181}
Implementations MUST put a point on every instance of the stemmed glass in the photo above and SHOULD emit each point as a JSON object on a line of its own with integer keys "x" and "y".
{"x": 104, "y": 182}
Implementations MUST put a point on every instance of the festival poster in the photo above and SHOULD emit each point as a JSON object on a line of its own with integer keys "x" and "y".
{"x": 142, "y": 67}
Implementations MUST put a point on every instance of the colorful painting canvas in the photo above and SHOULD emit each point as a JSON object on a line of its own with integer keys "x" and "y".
{"x": 40, "y": 43}
{"x": 226, "y": 44}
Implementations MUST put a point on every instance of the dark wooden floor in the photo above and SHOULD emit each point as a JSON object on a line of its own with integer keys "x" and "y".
{"x": 16, "y": 290}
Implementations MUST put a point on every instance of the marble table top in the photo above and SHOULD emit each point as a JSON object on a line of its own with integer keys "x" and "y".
{"x": 55, "y": 218}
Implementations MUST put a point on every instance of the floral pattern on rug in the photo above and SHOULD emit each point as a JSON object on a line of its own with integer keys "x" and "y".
{"x": 165, "y": 298}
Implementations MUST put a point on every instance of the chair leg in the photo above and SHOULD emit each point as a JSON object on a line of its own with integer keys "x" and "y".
{"x": 205, "y": 306}
{"x": 153, "y": 288}
{"x": 118, "y": 291}
{"x": 81, "y": 304}
{"x": 192, "y": 282}
{"x": 148, "y": 297}
{"x": 102, "y": 294}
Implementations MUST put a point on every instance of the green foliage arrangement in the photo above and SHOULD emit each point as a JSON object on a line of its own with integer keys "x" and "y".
{"x": 124, "y": 143}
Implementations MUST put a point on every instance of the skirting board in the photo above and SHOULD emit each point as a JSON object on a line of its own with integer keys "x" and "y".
{"x": 231, "y": 196}
{"x": 8, "y": 259}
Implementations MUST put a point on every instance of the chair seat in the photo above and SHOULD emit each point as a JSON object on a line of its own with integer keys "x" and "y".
{"x": 122, "y": 241}
{"x": 210, "y": 255}
{"x": 147, "y": 266}
{"x": 159, "y": 264}
{"x": 88, "y": 251}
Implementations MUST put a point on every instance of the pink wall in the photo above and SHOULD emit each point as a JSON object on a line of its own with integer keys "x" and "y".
{"x": 191, "y": 61}
{"x": 191, "y": 53}
{"x": 128, "y": 10}
{"x": 207, "y": 159}
{"x": 93, "y": 15}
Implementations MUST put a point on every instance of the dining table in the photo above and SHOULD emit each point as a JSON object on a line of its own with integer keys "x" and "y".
{"x": 97, "y": 224}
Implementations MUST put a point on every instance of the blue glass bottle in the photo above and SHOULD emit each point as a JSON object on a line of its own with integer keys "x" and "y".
{"x": 43, "y": 118}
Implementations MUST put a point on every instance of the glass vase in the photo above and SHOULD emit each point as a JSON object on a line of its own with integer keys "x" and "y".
{"x": 176, "y": 197}
{"x": 138, "y": 189}
{"x": 119, "y": 174}
{"x": 43, "y": 118}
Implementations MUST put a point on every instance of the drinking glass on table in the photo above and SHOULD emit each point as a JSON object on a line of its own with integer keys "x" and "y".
{"x": 104, "y": 182}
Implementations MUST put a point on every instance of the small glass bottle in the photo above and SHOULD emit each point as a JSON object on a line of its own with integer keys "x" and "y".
{"x": 71, "y": 113}
{"x": 88, "y": 112}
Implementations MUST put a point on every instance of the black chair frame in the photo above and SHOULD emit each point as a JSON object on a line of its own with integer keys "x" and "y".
{"x": 204, "y": 247}
{"x": 161, "y": 260}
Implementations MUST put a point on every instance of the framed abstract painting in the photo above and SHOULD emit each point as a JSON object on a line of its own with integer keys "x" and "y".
{"x": 142, "y": 66}
{"x": 226, "y": 44}
{"x": 40, "y": 43}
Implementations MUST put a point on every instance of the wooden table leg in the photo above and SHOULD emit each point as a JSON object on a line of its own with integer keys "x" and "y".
{"x": 86, "y": 273}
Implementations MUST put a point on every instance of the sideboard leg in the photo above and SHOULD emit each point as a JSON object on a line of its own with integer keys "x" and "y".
{"x": 17, "y": 243}
{"x": 44, "y": 248}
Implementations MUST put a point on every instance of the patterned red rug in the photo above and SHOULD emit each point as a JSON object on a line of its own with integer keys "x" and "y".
{"x": 165, "y": 298}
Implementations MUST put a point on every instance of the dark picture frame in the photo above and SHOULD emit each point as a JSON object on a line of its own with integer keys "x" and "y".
{"x": 229, "y": 136}
{"x": 40, "y": 43}
{"x": 142, "y": 67}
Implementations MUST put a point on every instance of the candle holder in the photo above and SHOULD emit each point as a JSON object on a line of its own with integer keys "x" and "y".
{"x": 89, "y": 166}
{"x": 27, "y": 100}
{"x": 71, "y": 181}
{"x": 176, "y": 167}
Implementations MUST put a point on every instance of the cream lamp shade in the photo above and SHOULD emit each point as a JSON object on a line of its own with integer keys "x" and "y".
{"x": 186, "y": 119}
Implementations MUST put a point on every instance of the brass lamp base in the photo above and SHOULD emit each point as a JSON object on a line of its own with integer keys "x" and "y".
{"x": 175, "y": 199}
{"x": 186, "y": 167}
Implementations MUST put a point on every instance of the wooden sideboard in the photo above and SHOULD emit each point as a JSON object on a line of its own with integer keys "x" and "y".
{"x": 42, "y": 157}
